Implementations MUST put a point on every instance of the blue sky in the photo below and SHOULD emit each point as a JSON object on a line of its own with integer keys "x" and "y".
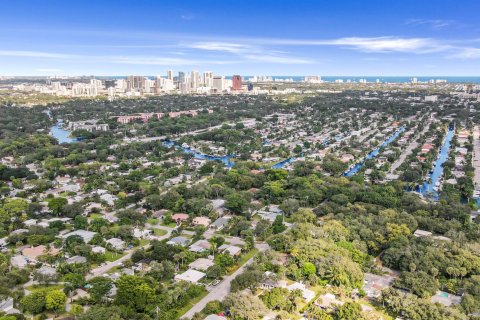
{"x": 355, "y": 37}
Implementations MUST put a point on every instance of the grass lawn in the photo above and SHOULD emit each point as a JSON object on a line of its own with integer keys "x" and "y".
{"x": 159, "y": 232}
{"x": 38, "y": 287}
{"x": 190, "y": 304}
{"x": 188, "y": 236}
{"x": 112, "y": 256}
{"x": 152, "y": 221}
{"x": 143, "y": 242}
{"x": 170, "y": 225}
{"x": 94, "y": 216}
{"x": 242, "y": 260}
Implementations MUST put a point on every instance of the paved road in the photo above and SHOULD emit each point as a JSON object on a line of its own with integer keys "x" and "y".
{"x": 150, "y": 139}
{"x": 108, "y": 266}
{"x": 409, "y": 149}
{"x": 222, "y": 289}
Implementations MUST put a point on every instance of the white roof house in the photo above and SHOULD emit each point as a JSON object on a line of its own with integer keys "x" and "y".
{"x": 200, "y": 246}
{"x": 307, "y": 294}
{"x": 7, "y": 306}
{"x": 201, "y": 264}
{"x": 190, "y": 275}
{"x": 116, "y": 243}
{"x": 47, "y": 271}
{"x": 422, "y": 233}
{"x": 142, "y": 233}
{"x": 19, "y": 261}
{"x": 215, "y": 317}
{"x": 179, "y": 240}
{"x": 233, "y": 250}
{"x": 98, "y": 249}
{"x": 76, "y": 259}
{"x": 84, "y": 234}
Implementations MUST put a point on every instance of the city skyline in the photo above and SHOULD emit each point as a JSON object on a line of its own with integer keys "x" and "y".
{"x": 305, "y": 38}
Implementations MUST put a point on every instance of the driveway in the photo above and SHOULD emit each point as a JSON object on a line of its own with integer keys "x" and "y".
{"x": 223, "y": 289}
{"x": 109, "y": 265}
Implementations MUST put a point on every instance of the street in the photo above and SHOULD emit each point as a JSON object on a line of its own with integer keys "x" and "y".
{"x": 409, "y": 150}
{"x": 223, "y": 289}
{"x": 109, "y": 265}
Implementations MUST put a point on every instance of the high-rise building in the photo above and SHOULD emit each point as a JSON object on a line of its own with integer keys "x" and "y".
{"x": 181, "y": 77}
{"x": 313, "y": 79}
{"x": 170, "y": 74}
{"x": 109, "y": 84}
{"x": 194, "y": 80}
{"x": 208, "y": 79}
{"x": 237, "y": 82}
{"x": 219, "y": 83}
{"x": 135, "y": 83}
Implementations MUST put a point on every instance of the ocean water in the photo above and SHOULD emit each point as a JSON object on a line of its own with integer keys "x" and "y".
{"x": 390, "y": 79}
{"x": 383, "y": 79}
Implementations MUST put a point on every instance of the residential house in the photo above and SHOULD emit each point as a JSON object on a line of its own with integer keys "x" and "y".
{"x": 19, "y": 261}
{"x": 445, "y": 298}
{"x": 215, "y": 317}
{"x": 6, "y": 306}
{"x": 181, "y": 241}
{"x": 328, "y": 301}
{"x": 116, "y": 243}
{"x": 84, "y": 234}
{"x": 203, "y": 221}
{"x": 47, "y": 271}
{"x": 190, "y": 275}
{"x": 142, "y": 233}
{"x": 201, "y": 264}
{"x": 76, "y": 259}
{"x": 233, "y": 251}
{"x": 180, "y": 217}
{"x": 422, "y": 233}
{"x": 32, "y": 253}
{"x": 98, "y": 249}
{"x": 200, "y": 246}
{"x": 220, "y": 223}
{"x": 374, "y": 284}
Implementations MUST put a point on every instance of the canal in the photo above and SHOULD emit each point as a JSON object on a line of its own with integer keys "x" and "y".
{"x": 430, "y": 187}
{"x": 63, "y": 136}
{"x": 197, "y": 155}
{"x": 354, "y": 170}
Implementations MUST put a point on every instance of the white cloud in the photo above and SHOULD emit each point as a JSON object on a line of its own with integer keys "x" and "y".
{"x": 164, "y": 61}
{"x": 433, "y": 23}
{"x": 221, "y": 46}
{"x": 374, "y": 44}
{"x": 249, "y": 52}
{"x": 276, "y": 59}
{"x": 389, "y": 44}
{"x": 466, "y": 53}
{"x": 188, "y": 16}
{"x": 48, "y": 70}
{"x": 36, "y": 54}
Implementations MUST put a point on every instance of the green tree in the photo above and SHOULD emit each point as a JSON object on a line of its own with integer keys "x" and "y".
{"x": 33, "y": 303}
{"x": 99, "y": 287}
{"x": 304, "y": 216}
{"x": 55, "y": 301}
{"x": 75, "y": 310}
{"x": 308, "y": 269}
{"x": 245, "y": 306}
{"x": 56, "y": 205}
{"x": 349, "y": 311}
